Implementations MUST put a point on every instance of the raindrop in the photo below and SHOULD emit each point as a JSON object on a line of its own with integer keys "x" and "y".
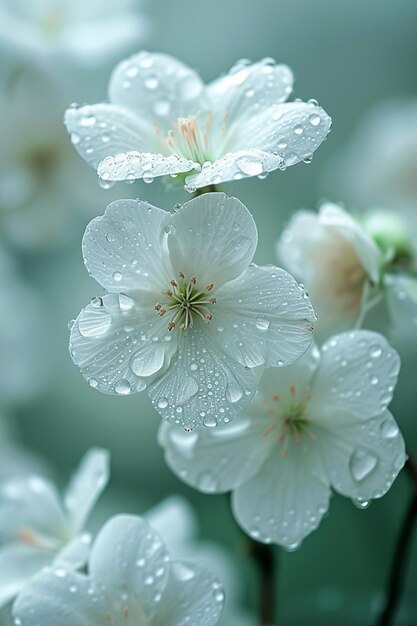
{"x": 361, "y": 463}
{"x": 162, "y": 403}
{"x": 233, "y": 392}
{"x": 314, "y": 119}
{"x": 262, "y": 324}
{"x": 122, "y": 387}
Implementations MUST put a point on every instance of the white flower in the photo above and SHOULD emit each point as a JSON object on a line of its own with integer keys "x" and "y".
{"x": 131, "y": 581}
{"x": 37, "y": 530}
{"x": 162, "y": 120}
{"x": 186, "y": 314}
{"x": 176, "y": 522}
{"x": 43, "y": 186}
{"x": 321, "y": 423}
{"x": 83, "y": 33}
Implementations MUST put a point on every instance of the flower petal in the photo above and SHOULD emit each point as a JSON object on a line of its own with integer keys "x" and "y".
{"x": 86, "y": 486}
{"x": 125, "y": 249}
{"x": 286, "y": 500}
{"x": 214, "y": 238}
{"x": 203, "y": 386}
{"x": 57, "y": 597}
{"x": 219, "y": 459}
{"x": 130, "y": 561}
{"x": 362, "y": 458}
{"x": 249, "y": 88}
{"x": 401, "y": 294}
{"x": 293, "y": 130}
{"x": 100, "y": 130}
{"x": 358, "y": 372}
{"x": 234, "y": 166}
{"x": 75, "y": 553}
{"x": 134, "y": 165}
{"x": 263, "y": 317}
{"x": 18, "y": 563}
{"x": 192, "y": 595}
{"x": 156, "y": 86}
{"x": 30, "y": 506}
{"x": 118, "y": 346}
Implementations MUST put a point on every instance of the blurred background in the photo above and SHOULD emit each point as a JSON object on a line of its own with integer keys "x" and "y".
{"x": 359, "y": 60}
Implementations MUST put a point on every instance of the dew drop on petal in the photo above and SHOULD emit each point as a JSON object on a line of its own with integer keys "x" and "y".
{"x": 262, "y": 324}
{"x": 361, "y": 463}
{"x": 122, "y": 387}
{"x": 233, "y": 392}
{"x": 207, "y": 482}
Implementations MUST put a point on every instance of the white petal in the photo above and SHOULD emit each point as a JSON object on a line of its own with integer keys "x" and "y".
{"x": 246, "y": 89}
{"x": 214, "y": 238}
{"x": 358, "y": 372}
{"x": 175, "y": 520}
{"x": 289, "y": 130}
{"x": 219, "y": 459}
{"x": 156, "y": 86}
{"x": 75, "y": 553}
{"x": 300, "y": 239}
{"x": 234, "y": 166}
{"x": 118, "y": 346}
{"x": 129, "y": 560}
{"x": 202, "y": 386}
{"x": 86, "y": 486}
{"x": 100, "y": 130}
{"x": 401, "y": 294}
{"x": 125, "y": 249}
{"x": 30, "y": 506}
{"x": 192, "y": 596}
{"x": 286, "y": 500}
{"x": 362, "y": 458}
{"x": 60, "y": 598}
{"x": 263, "y": 317}
{"x": 18, "y": 564}
{"x": 146, "y": 165}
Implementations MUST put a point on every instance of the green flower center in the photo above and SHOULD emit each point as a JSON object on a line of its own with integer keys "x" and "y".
{"x": 186, "y": 302}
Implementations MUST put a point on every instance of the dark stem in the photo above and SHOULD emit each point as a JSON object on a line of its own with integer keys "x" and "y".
{"x": 401, "y": 555}
{"x": 264, "y": 558}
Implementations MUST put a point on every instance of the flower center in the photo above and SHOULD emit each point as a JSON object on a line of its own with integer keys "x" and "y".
{"x": 291, "y": 419}
{"x": 185, "y": 301}
{"x": 189, "y": 139}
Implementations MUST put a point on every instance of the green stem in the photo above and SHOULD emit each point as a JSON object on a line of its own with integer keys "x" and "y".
{"x": 264, "y": 559}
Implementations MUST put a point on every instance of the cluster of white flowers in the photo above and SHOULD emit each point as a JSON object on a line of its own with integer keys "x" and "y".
{"x": 212, "y": 337}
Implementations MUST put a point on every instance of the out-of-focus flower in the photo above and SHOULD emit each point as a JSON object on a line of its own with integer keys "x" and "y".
{"x": 318, "y": 424}
{"x": 348, "y": 264}
{"x": 131, "y": 580}
{"x": 21, "y": 337}
{"x": 162, "y": 120}
{"x": 176, "y": 522}
{"x": 83, "y": 33}
{"x": 43, "y": 186}
{"x": 37, "y": 530}
{"x": 378, "y": 167}
{"x": 186, "y": 314}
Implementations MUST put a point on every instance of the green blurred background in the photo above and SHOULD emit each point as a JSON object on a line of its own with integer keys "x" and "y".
{"x": 349, "y": 55}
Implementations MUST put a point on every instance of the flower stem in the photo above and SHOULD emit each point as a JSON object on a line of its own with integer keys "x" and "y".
{"x": 400, "y": 559}
{"x": 264, "y": 558}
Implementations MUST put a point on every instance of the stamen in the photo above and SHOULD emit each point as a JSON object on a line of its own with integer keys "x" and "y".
{"x": 186, "y": 301}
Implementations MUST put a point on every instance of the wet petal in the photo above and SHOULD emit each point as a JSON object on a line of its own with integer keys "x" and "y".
{"x": 214, "y": 238}
{"x": 86, "y": 486}
{"x": 203, "y": 386}
{"x": 263, "y": 317}
{"x": 286, "y": 500}
{"x": 292, "y": 130}
{"x": 133, "y": 165}
{"x": 125, "y": 249}
{"x": 234, "y": 166}
{"x": 362, "y": 458}
{"x": 247, "y": 89}
{"x": 100, "y": 130}
{"x": 130, "y": 561}
{"x": 192, "y": 593}
{"x": 118, "y": 346}
{"x": 219, "y": 459}
{"x": 358, "y": 372}
{"x": 57, "y": 597}
{"x": 156, "y": 86}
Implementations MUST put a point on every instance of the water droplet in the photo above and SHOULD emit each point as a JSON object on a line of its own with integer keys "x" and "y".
{"x": 361, "y": 463}
{"x": 151, "y": 82}
{"x": 117, "y": 276}
{"x": 389, "y": 429}
{"x": 250, "y": 166}
{"x": 207, "y": 482}
{"x": 262, "y": 324}
{"x": 162, "y": 403}
{"x": 233, "y": 392}
{"x": 122, "y": 387}
{"x": 210, "y": 421}
{"x": 75, "y": 138}
{"x": 314, "y": 119}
